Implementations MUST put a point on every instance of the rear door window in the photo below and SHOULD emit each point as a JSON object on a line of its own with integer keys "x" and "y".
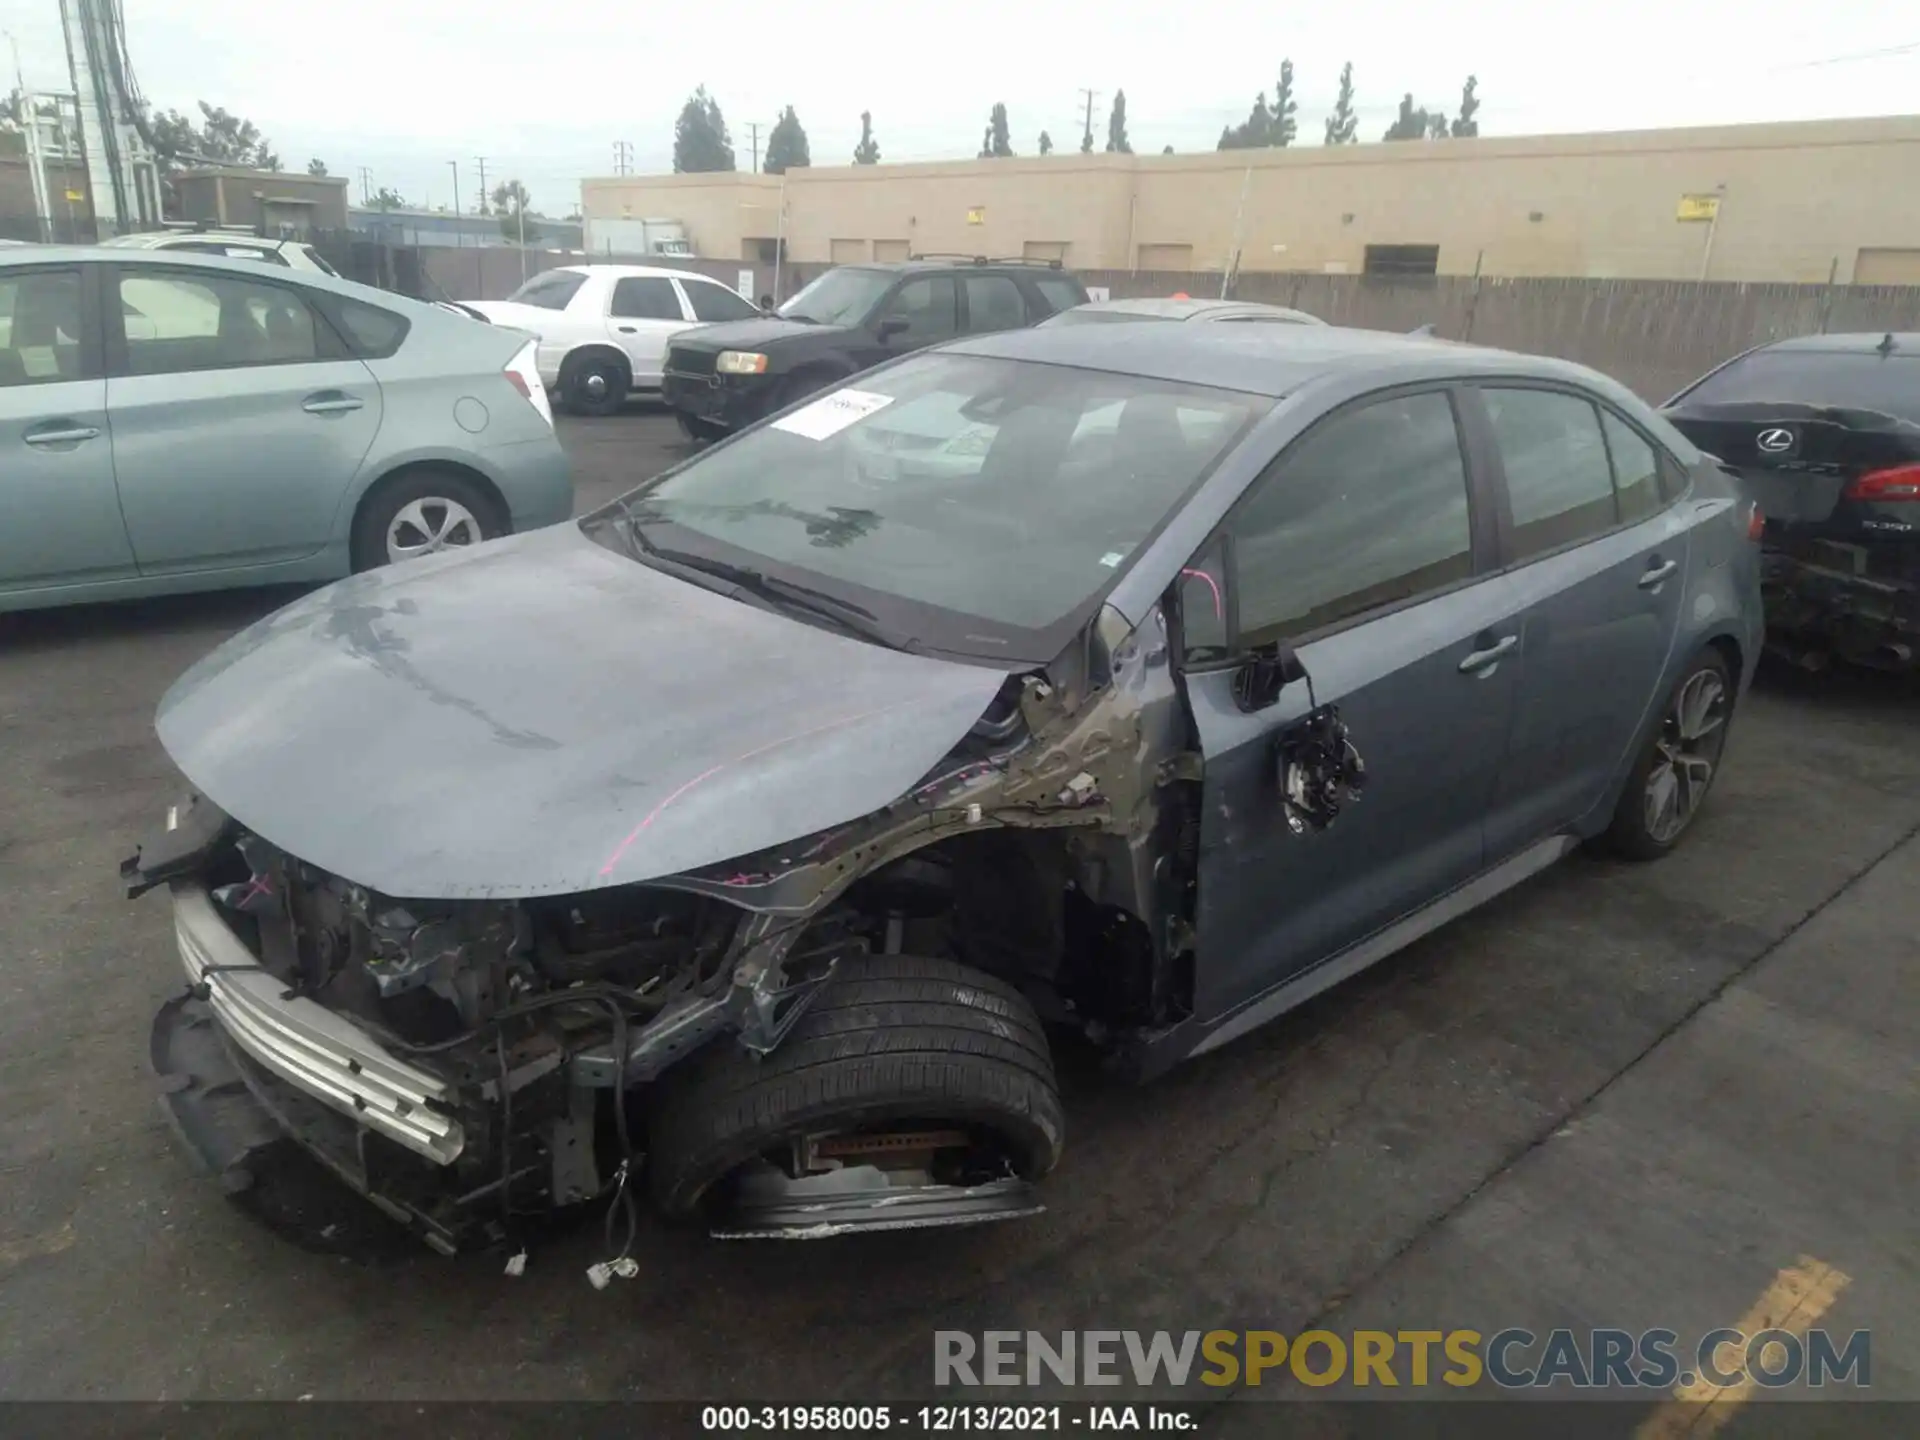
{"x": 178, "y": 321}
{"x": 930, "y": 307}
{"x": 1889, "y": 384}
{"x": 1559, "y": 480}
{"x": 645, "y": 297}
{"x": 993, "y": 303}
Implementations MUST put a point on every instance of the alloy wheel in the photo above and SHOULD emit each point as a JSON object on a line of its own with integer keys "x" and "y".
{"x": 1686, "y": 751}
{"x": 429, "y": 525}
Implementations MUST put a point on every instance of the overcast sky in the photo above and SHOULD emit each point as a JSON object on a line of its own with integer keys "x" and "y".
{"x": 402, "y": 87}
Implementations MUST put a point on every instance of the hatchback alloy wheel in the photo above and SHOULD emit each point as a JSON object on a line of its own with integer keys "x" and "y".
{"x": 1685, "y": 754}
{"x": 429, "y": 525}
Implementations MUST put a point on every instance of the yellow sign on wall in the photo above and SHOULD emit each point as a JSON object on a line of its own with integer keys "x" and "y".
{"x": 75, "y": 195}
{"x": 1698, "y": 207}
{"x": 977, "y": 215}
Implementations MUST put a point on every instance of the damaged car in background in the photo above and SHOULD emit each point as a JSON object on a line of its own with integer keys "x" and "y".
{"x": 1824, "y": 432}
{"x": 746, "y": 841}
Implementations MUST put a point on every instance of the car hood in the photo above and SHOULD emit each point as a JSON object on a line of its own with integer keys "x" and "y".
{"x": 752, "y": 334}
{"x": 540, "y": 716}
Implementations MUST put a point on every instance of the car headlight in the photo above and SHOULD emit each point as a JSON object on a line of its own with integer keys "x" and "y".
{"x": 741, "y": 362}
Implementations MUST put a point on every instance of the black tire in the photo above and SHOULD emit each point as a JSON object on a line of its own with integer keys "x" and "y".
{"x": 1632, "y": 835}
{"x": 891, "y": 1037}
{"x": 368, "y": 544}
{"x": 700, "y": 432}
{"x": 595, "y": 384}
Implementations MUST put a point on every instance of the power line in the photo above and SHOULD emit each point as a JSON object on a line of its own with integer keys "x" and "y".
{"x": 622, "y": 157}
{"x": 1090, "y": 95}
{"x": 753, "y": 129}
{"x": 481, "y": 161}
{"x": 366, "y": 185}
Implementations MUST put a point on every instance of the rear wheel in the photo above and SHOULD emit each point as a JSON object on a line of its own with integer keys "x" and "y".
{"x": 921, "y": 1080}
{"x": 421, "y": 513}
{"x": 1670, "y": 780}
{"x": 594, "y": 384}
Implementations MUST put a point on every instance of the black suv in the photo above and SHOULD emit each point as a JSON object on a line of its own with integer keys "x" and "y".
{"x": 724, "y": 377}
{"x": 1825, "y": 432}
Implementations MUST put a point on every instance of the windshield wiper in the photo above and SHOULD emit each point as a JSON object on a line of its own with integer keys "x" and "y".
{"x": 782, "y": 594}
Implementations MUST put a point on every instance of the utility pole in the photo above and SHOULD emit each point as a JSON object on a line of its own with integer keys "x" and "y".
{"x": 366, "y": 186}
{"x": 753, "y": 129}
{"x": 1090, "y": 96}
{"x": 481, "y": 161}
{"x": 456, "y": 203}
{"x": 622, "y": 158}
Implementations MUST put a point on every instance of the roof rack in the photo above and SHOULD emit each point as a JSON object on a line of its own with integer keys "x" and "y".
{"x": 985, "y": 259}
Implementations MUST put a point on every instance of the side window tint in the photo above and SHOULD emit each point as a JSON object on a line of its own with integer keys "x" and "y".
{"x": 178, "y": 321}
{"x": 1367, "y": 509}
{"x": 1636, "y": 470}
{"x": 931, "y": 309}
{"x": 1060, "y": 292}
{"x": 650, "y": 297}
{"x": 993, "y": 303}
{"x": 1558, "y": 480}
{"x": 713, "y": 303}
{"x": 372, "y": 333}
{"x": 39, "y": 327}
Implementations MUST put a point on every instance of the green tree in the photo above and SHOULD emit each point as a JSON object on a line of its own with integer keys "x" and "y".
{"x": 221, "y": 138}
{"x": 1465, "y": 126}
{"x": 1284, "y": 128}
{"x": 1256, "y": 133}
{"x": 1046, "y": 143}
{"x": 1117, "y": 143}
{"x": 1168, "y": 150}
{"x": 13, "y": 110}
{"x": 995, "y": 143}
{"x": 1343, "y": 124}
{"x": 386, "y": 198}
{"x": 1415, "y": 122}
{"x": 700, "y": 139}
{"x": 514, "y": 207}
{"x": 317, "y": 167}
{"x": 867, "y": 152}
{"x": 787, "y": 145}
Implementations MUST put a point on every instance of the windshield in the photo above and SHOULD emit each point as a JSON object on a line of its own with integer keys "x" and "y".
{"x": 839, "y": 297}
{"x": 1889, "y": 384}
{"x": 974, "y": 504}
{"x": 1086, "y": 315}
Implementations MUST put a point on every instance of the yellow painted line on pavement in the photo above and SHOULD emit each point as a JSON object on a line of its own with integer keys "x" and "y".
{"x": 1798, "y": 1296}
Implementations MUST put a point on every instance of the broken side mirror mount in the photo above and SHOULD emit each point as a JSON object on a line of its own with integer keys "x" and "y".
{"x": 1318, "y": 769}
{"x": 1265, "y": 670}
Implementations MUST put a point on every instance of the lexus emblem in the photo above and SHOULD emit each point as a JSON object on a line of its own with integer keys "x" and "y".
{"x": 1774, "y": 442}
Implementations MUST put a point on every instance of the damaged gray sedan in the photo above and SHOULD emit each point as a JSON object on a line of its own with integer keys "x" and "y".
{"x": 749, "y": 838}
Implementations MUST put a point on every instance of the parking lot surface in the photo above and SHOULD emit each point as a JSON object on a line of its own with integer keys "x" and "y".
{"x": 1617, "y": 1096}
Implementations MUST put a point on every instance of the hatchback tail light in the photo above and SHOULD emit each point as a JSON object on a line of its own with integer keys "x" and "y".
{"x": 524, "y": 375}
{"x": 1756, "y": 522}
{"x": 1902, "y": 482}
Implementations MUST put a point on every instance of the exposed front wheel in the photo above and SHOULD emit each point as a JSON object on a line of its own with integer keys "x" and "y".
{"x": 595, "y": 385}
{"x": 1670, "y": 780}
{"x": 913, "y": 1091}
{"x": 423, "y": 513}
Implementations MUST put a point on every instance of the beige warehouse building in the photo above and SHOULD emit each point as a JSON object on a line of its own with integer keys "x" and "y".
{"x": 1804, "y": 201}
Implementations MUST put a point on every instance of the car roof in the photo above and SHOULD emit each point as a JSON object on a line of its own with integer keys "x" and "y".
{"x": 1268, "y": 360}
{"x": 159, "y": 239}
{"x": 1860, "y": 343}
{"x": 956, "y": 262}
{"x": 1172, "y": 307}
{"x": 41, "y": 255}
{"x": 628, "y": 272}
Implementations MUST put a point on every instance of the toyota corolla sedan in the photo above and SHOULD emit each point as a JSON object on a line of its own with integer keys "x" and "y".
{"x": 174, "y": 422}
{"x": 752, "y": 839}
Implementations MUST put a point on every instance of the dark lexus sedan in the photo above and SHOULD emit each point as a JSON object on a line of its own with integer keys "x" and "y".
{"x": 754, "y": 839}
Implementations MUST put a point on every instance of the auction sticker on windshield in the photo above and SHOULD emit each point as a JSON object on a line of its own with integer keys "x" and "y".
{"x": 831, "y": 414}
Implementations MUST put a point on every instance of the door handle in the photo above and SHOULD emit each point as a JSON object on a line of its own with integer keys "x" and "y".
{"x": 331, "y": 404}
{"x": 1485, "y": 659}
{"x": 628, "y": 329}
{"x": 68, "y": 435}
{"x": 1657, "y": 573}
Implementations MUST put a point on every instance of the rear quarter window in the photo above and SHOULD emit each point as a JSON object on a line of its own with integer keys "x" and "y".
{"x": 1060, "y": 292}
{"x": 371, "y": 333}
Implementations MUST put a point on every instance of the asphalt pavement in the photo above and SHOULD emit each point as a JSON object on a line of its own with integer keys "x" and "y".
{"x": 1620, "y": 1095}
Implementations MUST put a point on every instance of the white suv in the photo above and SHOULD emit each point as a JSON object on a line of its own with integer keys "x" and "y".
{"x": 603, "y": 329}
{"x": 234, "y": 244}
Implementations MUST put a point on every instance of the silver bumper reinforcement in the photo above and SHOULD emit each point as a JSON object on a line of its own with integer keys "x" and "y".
{"x": 306, "y": 1044}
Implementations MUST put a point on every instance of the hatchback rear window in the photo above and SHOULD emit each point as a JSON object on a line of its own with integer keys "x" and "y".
{"x": 1889, "y": 384}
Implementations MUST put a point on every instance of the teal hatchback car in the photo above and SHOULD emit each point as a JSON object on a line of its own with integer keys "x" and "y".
{"x": 176, "y": 422}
